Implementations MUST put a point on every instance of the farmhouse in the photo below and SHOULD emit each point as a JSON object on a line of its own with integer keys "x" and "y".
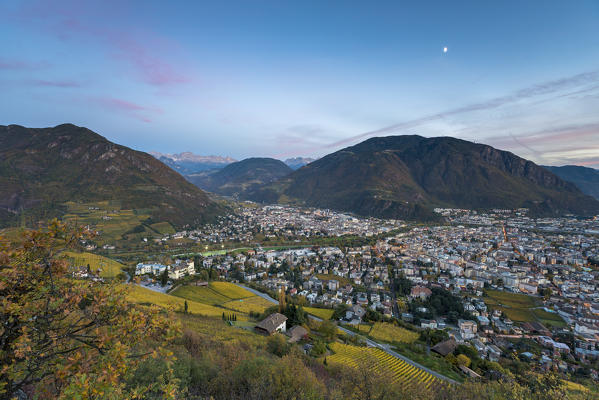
{"x": 273, "y": 323}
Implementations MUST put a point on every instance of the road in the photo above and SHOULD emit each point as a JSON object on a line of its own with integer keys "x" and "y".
{"x": 383, "y": 346}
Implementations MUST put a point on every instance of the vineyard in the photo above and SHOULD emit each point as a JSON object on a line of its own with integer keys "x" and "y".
{"x": 402, "y": 372}
{"x": 108, "y": 268}
{"x": 391, "y": 333}
{"x": 201, "y": 294}
{"x": 139, "y": 294}
{"x": 225, "y": 296}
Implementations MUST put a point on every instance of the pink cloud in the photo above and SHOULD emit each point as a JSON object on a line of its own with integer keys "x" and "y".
{"x": 21, "y": 65}
{"x": 139, "y": 112}
{"x": 149, "y": 55}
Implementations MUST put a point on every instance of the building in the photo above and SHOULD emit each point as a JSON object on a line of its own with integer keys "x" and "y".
{"x": 149, "y": 268}
{"x": 467, "y": 329}
{"x": 420, "y": 292}
{"x": 273, "y": 323}
{"x": 181, "y": 269}
{"x": 333, "y": 284}
{"x": 446, "y": 347}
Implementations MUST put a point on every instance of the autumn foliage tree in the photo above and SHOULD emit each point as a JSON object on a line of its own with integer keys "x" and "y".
{"x": 62, "y": 337}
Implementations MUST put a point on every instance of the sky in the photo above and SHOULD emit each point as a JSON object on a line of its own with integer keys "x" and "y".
{"x": 306, "y": 78}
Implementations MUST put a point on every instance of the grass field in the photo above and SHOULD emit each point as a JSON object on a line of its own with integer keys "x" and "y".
{"x": 521, "y": 308}
{"x": 391, "y": 333}
{"x": 108, "y": 268}
{"x": 255, "y": 304}
{"x": 401, "y": 371}
{"x": 139, "y": 294}
{"x": 164, "y": 228}
{"x": 323, "y": 313}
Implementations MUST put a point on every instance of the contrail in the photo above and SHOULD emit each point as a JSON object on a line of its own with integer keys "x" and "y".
{"x": 536, "y": 90}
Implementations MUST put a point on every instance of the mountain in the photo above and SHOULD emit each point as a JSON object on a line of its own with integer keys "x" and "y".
{"x": 586, "y": 179}
{"x": 298, "y": 162}
{"x": 187, "y": 163}
{"x": 41, "y": 169}
{"x": 406, "y": 176}
{"x": 241, "y": 177}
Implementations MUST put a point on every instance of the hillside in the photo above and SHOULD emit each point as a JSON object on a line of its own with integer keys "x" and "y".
{"x": 406, "y": 176}
{"x": 586, "y": 179}
{"x": 42, "y": 169}
{"x": 241, "y": 177}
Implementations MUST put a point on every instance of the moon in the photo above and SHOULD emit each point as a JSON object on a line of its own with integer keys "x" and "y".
{"x": 445, "y": 49}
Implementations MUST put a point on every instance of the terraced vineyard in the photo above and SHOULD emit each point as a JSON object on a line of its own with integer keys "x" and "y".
{"x": 403, "y": 373}
{"x": 142, "y": 295}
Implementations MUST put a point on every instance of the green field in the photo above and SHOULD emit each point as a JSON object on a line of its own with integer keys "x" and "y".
{"x": 521, "y": 308}
{"x": 323, "y": 313}
{"x": 164, "y": 228}
{"x": 108, "y": 268}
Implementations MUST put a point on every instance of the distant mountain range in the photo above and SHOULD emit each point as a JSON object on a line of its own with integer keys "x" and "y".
{"x": 587, "y": 179}
{"x": 188, "y": 163}
{"x": 406, "y": 176}
{"x": 41, "y": 169}
{"x": 241, "y": 177}
{"x": 394, "y": 176}
{"x": 298, "y": 162}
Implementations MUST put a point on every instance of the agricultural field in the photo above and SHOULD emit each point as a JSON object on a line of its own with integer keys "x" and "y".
{"x": 108, "y": 267}
{"x": 201, "y": 294}
{"x": 224, "y": 295}
{"x": 391, "y": 333}
{"x": 139, "y": 294}
{"x": 401, "y": 371}
{"x": 521, "y": 308}
{"x": 109, "y": 219}
{"x": 220, "y": 330}
{"x": 255, "y": 304}
{"x": 230, "y": 290}
{"x": 322, "y": 313}
{"x": 364, "y": 328}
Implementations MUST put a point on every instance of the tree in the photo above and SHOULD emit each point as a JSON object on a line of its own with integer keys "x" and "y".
{"x": 164, "y": 277}
{"x": 185, "y": 304}
{"x": 277, "y": 345}
{"x": 463, "y": 360}
{"x": 328, "y": 330}
{"x": 66, "y": 338}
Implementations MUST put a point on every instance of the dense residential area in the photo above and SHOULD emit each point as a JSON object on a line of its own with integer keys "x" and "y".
{"x": 507, "y": 290}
